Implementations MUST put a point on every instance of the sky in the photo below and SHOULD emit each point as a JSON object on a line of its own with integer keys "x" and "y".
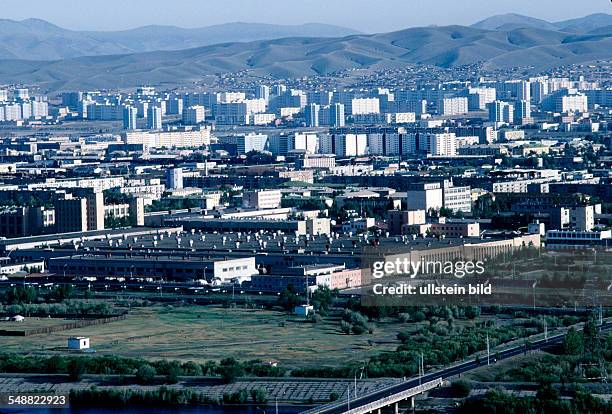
{"x": 364, "y": 15}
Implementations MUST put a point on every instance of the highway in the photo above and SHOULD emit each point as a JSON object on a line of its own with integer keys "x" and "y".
{"x": 339, "y": 407}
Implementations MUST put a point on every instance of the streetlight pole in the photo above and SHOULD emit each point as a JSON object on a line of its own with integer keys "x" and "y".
{"x": 488, "y": 351}
{"x": 348, "y": 398}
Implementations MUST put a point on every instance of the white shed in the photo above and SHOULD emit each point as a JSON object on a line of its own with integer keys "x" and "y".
{"x": 79, "y": 342}
{"x": 304, "y": 310}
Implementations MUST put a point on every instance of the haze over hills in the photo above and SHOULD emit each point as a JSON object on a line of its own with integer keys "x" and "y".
{"x": 511, "y": 21}
{"x": 34, "y": 39}
{"x": 446, "y": 46}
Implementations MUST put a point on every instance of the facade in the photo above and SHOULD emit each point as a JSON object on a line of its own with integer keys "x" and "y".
{"x": 452, "y": 229}
{"x": 260, "y": 200}
{"x": 453, "y": 106}
{"x": 194, "y": 115}
{"x": 444, "y": 145}
{"x": 425, "y": 196}
{"x": 71, "y": 215}
{"x": 129, "y": 118}
{"x": 174, "y": 178}
{"x": 316, "y": 161}
{"x": 576, "y": 239}
{"x": 362, "y": 106}
{"x": 252, "y": 142}
{"x": 311, "y": 115}
{"x": 175, "y": 138}
{"x": 307, "y": 142}
{"x": 501, "y": 112}
{"x": 154, "y": 118}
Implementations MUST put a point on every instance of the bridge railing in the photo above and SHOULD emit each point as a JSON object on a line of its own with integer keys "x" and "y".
{"x": 383, "y": 402}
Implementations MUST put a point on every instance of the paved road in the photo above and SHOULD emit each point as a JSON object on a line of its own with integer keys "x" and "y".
{"x": 341, "y": 407}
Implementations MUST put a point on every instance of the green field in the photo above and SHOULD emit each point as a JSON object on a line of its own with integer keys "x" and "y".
{"x": 202, "y": 333}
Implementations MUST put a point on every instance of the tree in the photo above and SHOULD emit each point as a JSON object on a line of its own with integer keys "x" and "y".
{"x": 289, "y": 299}
{"x": 419, "y": 316}
{"x": 146, "y": 374}
{"x": 174, "y": 371}
{"x": 76, "y": 369}
{"x": 230, "y": 369}
{"x": 460, "y": 389}
{"x": 573, "y": 342}
{"x": 259, "y": 395}
{"x": 323, "y": 298}
{"x": 592, "y": 341}
{"x": 471, "y": 312}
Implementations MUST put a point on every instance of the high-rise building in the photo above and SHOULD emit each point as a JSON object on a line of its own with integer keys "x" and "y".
{"x": 571, "y": 103}
{"x": 129, "y": 117}
{"x": 194, "y": 115}
{"x": 174, "y": 178}
{"x": 174, "y": 106}
{"x": 252, "y": 142}
{"x": 262, "y": 92}
{"x": 311, "y": 113}
{"x": 344, "y": 145}
{"x": 522, "y": 112}
{"x": 453, "y": 106}
{"x": 83, "y": 211}
{"x": 443, "y": 145}
{"x": 70, "y": 214}
{"x": 332, "y": 115}
{"x": 365, "y": 106}
{"x": 478, "y": 98}
{"x": 501, "y": 112}
{"x": 154, "y": 117}
{"x": 307, "y": 142}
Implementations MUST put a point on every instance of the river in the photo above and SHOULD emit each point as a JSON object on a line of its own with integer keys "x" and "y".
{"x": 147, "y": 410}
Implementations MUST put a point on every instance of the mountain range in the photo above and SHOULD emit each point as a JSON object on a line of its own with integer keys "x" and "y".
{"x": 516, "y": 21}
{"x": 35, "y": 39}
{"x": 499, "y": 42}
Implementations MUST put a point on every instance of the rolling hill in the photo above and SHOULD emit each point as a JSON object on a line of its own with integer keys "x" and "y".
{"x": 34, "y": 39}
{"x": 447, "y": 46}
{"x": 511, "y": 21}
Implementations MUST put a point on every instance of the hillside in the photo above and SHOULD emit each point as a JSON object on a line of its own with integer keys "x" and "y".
{"x": 447, "y": 46}
{"x": 34, "y": 39}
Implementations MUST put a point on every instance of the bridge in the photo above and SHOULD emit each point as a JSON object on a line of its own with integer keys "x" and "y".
{"x": 375, "y": 401}
{"x": 392, "y": 395}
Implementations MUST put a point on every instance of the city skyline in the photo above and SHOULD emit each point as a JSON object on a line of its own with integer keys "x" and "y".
{"x": 392, "y": 15}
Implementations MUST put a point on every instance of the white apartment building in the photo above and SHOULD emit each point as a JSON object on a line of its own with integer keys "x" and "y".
{"x": 442, "y": 145}
{"x": 365, "y": 106}
{"x": 194, "y": 115}
{"x": 344, "y": 145}
{"x": 179, "y": 138}
{"x": 478, "y": 98}
{"x": 425, "y": 197}
{"x": 453, "y": 106}
{"x": 252, "y": 142}
{"x": 571, "y": 103}
{"x": 262, "y": 199}
{"x": 305, "y": 141}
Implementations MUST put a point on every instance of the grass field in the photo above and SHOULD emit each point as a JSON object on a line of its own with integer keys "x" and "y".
{"x": 202, "y": 333}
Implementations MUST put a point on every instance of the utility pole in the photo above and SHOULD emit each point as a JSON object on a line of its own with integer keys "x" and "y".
{"x": 421, "y": 369}
{"x": 355, "y": 394}
{"x": 545, "y": 330}
{"x": 488, "y": 351}
{"x": 348, "y": 398}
